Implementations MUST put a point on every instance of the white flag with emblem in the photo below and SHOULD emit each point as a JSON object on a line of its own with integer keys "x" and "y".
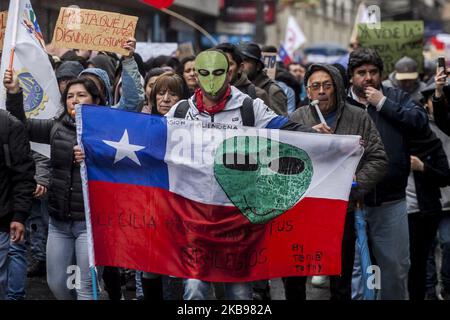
{"x": 32, "y": 65}
{"x": 294, "y": 37}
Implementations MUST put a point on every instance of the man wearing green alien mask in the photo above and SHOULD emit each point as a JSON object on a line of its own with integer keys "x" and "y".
{"x": 217, "y": 101}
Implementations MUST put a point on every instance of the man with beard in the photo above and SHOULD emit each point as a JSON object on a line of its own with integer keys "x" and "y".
{"x": 253, "y": 66}
{"x": 325, "y": 85}
{"x": 399, "y": 121}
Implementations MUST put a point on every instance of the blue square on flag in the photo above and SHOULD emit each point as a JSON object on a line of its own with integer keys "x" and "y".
{"x": 123, "y": 153}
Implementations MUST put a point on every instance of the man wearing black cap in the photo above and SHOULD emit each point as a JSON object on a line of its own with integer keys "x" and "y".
{"x": 253, "y": 66}
{"x": 406, "y": 78}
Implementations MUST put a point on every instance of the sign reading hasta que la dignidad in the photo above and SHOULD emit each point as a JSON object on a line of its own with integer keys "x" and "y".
{"x": 93, "y": 30}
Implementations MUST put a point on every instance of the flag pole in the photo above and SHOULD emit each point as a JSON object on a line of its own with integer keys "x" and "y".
{"x": 14, "y": 34}
{"x": 191, "y": 23}
{"x": 359, "y": 14}
{"x": 87, "y": 208}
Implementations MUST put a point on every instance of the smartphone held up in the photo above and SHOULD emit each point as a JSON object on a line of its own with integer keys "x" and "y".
{"x": 442, "y": 64}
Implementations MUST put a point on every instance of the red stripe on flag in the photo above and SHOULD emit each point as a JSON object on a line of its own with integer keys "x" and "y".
{"x": 157, "y": 231}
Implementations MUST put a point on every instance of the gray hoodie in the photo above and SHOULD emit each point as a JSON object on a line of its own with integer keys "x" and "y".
{"x": 350, "y": 120}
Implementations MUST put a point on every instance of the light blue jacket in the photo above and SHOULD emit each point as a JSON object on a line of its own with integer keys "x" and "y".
{"x": 132, "y": 88}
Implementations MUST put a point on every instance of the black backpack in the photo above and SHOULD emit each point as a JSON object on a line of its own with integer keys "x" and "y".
{"x": 4, "y": 134}
{"x": 247, "y": 112}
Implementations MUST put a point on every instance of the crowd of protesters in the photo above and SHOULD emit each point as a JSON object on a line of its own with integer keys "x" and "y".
{"x": 402, "y": 178}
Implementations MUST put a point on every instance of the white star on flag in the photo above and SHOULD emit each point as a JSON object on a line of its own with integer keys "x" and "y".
{"x": 124, "y": 149}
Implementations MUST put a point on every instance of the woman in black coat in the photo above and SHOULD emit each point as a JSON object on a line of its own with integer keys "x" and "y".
{"x": 67, "y": 249}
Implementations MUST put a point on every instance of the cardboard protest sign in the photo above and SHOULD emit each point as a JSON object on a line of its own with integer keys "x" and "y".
{"x": 394, "y": 40}
{"x": 3, "y": 18}
{"x": 270, "y": 59}
{"x": 93, "y": 30}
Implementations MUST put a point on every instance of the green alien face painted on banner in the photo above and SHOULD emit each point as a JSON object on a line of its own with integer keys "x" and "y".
{"x": 211, "y": 67}
{"x": 262, "y": 177}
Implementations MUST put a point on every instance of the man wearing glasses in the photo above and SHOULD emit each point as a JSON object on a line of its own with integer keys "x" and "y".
{"x": 334, "y": 115}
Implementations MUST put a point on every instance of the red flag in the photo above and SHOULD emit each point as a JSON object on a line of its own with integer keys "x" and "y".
{"x": 160, "y": 4}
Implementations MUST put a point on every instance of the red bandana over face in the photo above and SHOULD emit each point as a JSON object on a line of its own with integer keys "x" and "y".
{"x": 219, "y": 106}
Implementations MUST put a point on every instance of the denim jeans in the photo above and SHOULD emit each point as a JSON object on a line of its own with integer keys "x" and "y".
{"x": 37, "y": 229}
{"x": 444, "y": 241}
{"x": 4, "y": 249}
{"x": 387, "y": 228}
{"x": 138, "y": 278}
{"x": 67, "y": 246}
{"x": 17, "y": 271}
{"x": 201, "y": 290}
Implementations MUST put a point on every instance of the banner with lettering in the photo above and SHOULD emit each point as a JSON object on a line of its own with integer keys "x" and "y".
{"x": 394, "y": 40}
{"x": 270, "y": 63}
{"x": 93, "y": 30}
{"x": 211, "y": 201}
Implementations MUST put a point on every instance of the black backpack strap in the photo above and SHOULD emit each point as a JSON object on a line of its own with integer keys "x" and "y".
{"x": 182, "y": 109}
{"x": 247, "y": 113}
{"x": 4, "y": 134}
{"x": 252, "y": 91}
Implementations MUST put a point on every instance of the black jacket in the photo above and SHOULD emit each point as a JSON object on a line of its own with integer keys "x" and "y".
{"x": 399, "y": 122}
{"x": 435, "y": 175}
{"x": 65, "y": 196}
{"x": 17, "y": 179}
{"x": 441, "y": 111}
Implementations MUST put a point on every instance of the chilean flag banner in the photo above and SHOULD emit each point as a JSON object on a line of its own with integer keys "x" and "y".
{"x": 212, "y": 201}
{"x": 284, "y": 56}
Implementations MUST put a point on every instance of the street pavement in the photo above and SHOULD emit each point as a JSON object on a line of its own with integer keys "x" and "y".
{"x": 37, "y": 289}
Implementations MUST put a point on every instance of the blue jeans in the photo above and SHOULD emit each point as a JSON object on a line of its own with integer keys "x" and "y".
{"x": 17, "y": 271}
{"x": 37, "y": 229}
{"x": 201, "y": 290}
{"x": 4, "y": 249}
{"x": 67, "y": 253}
{"x": 444, "y": 241}
{"x": 389, "y": 243}
{"x": 138, "y": 278}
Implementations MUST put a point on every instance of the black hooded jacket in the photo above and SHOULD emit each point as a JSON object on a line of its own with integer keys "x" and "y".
{"x": 16, "y": 172}
{"x": 442, "y": 113}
